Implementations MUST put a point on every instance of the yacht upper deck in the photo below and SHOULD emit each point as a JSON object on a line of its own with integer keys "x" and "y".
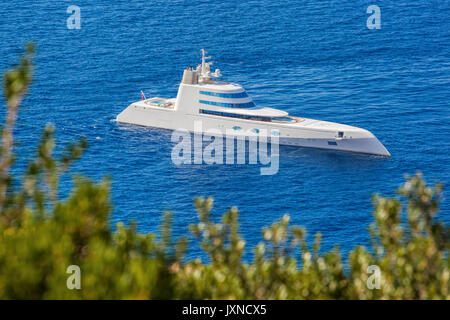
{"x": 257, "y": 112}
{"x": 221, "y": 86}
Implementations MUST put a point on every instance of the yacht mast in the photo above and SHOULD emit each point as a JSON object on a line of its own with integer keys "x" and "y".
{"x": 205, "y": 67}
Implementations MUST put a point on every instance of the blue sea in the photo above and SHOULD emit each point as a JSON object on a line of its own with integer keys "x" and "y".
{"x": 314, "y": 59}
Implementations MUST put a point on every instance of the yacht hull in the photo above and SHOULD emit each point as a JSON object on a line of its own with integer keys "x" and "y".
{"x": 360, "y": 145}
{"x": 306, "y": 133}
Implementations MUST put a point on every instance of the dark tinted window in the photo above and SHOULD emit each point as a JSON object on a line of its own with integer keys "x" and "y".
{"x": 225, "y": 95}
{"x": 228, "y": 105}
{"x": 234, "y": 115}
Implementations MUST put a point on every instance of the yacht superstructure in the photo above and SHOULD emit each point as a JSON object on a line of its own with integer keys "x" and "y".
{"x": 227, "y": 107}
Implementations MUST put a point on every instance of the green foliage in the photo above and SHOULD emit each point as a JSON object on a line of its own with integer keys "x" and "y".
{"x": 41, "y": 235}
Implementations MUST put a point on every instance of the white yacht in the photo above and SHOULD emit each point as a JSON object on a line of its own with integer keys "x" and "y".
{"x": 227, "y": 107}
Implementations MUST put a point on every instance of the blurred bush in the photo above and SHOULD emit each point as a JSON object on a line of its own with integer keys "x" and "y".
{"x": 41, "y": 235}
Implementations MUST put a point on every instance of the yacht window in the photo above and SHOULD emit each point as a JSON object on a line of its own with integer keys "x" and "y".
{"x": 229, "y": 105}
{"x": 225, "y": 95}
{"x": 234, "y": 115}
{"x": 284, "y": 119}
{"x": 275, "y": 133}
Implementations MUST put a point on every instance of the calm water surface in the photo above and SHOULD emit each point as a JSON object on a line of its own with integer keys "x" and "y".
{"x": 315, "y": 59}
